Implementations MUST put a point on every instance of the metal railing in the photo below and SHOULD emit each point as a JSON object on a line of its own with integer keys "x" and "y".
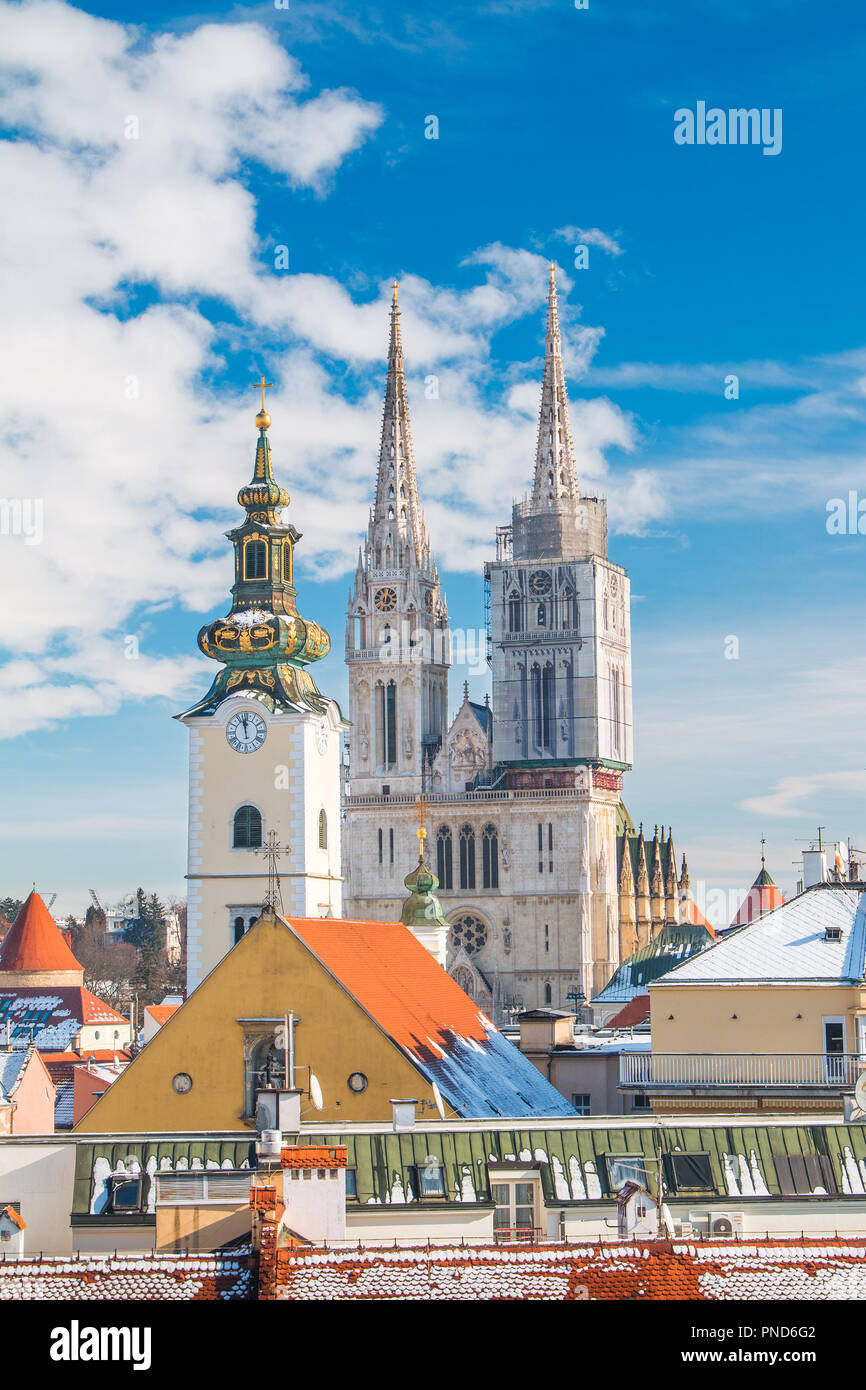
{"x": 517, "y": 1235}
{"x": 671, "y": 1070}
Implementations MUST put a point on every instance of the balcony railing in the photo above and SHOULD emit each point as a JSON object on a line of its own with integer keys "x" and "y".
{"x": 673, "y": 1071}
{"x": 517, "y": 1235}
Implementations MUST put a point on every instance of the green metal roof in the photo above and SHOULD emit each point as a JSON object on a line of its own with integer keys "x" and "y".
{"x": 571, "y": 1160}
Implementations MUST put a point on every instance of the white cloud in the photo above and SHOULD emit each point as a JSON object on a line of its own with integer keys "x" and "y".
{"x": 135, "y": 460}
{"x": 591, "y": 236}
{"x": 787, "y": 796}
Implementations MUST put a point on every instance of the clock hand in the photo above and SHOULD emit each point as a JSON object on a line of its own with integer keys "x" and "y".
{"x": 244, "y": 722}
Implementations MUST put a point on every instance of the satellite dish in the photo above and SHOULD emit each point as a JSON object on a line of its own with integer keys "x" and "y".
{"x": 316, "y": 1092}
{"x": 440, "y": 1106}
{"x": 860, "y": 1091}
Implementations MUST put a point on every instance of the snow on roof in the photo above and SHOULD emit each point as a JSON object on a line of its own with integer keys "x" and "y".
{"x": 428, "y": 1016}
{"x": 12, "y": 1066}
{"x": 788, "y": 944}
{"x": 52, "y": 1016}
{"x": 665, "y": 1271}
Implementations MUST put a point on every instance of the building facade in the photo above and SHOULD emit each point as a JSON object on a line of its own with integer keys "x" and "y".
{"x": 523, "y": 793}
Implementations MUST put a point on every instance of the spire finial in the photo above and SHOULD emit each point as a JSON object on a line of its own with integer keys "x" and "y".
{"x": 263, "y": 419}
{"x": 555, "y": 472}
{"x": 465, "y": 690}
{"x": 394, "y": 293}
{"x": 421, "y": 806}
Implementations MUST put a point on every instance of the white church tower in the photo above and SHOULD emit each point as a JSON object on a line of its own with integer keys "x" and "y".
{"x": 559, "y": 612}
{"x": 397, "y": 640}
{"x": 264, "y": 744}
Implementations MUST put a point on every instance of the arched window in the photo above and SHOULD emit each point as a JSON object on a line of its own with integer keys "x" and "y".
{"x": 386, "y": 725}
{"x": 569, "y": 610}
{"x": 287, "y": 561}
{"x": 255, "y": 560}
{"x": 247, "y": 830}
{"x": 323, "y": 830}
{"x": 489, "y": 857}
{"x": 466, "y": 980}
{"x": 514, "y": 624}
{"x": 238, "y": 929}
{"x": 444, "y": 858}
{"x": 467, "y": 857}
{"x": 381, "y": 840}
{"x": 548, "y": 995}
{"x": 542, "y": 615}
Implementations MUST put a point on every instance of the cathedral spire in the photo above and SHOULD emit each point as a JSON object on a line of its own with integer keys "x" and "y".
{"x": 397, "y": 504}
{"x": 555, "y": 473}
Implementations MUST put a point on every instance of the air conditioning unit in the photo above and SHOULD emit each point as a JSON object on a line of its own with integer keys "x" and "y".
{"x": 684, "y": 1229}
{"x": 726, "y": 1223}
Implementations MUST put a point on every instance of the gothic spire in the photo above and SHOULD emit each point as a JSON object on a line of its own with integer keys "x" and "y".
{"x": 555, "y": 473}
{"x": 396, "y": 485}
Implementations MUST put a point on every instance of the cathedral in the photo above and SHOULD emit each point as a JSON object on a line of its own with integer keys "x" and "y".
{"x": 545, "y": 883}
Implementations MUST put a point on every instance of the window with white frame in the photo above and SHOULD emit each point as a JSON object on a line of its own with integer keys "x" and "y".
{"x": 515, "y": 1206}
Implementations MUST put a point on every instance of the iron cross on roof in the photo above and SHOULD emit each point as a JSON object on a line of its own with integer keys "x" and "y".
{"x": 272, "y": 850}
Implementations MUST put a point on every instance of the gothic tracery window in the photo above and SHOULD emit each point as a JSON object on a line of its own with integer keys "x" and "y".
{"x": 444, "y": 858}
{"x": 468, "y": 932}
{"x": 467, "y": 857}
{"x": 490, "y": 857}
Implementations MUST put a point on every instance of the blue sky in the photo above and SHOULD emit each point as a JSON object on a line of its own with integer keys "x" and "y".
{"x": 144, "y": 300}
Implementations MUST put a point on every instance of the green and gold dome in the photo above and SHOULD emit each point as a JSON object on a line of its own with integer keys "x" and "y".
{"x": 264, "y": 644}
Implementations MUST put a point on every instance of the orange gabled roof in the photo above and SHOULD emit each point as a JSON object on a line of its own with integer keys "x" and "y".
{"x": 161, "y": 1013}
{"x": 395, "y": 978}
{"x": 35, "y": 942}
{"x": 15, "y": 1217}
{"x": 95, "y": 1010}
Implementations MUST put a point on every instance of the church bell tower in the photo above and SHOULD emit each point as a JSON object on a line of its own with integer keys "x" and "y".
{"x": 264, "y": 754}
{"x": 397, "y": 639}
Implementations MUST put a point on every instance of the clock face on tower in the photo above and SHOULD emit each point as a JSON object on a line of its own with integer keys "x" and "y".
{"x": 539, "y": 583}
{"x": 386, "y": 600}
{"x": 246, "y": 731}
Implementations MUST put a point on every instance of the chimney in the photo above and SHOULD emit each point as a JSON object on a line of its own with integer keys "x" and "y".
{"x": 404, "y": 1114}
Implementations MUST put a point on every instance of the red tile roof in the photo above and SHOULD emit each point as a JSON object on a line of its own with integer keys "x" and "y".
{"x": 394, "y": 977}
{"x": 661, "y": 1271}
{"x": 221, "y": 1275}
{"x": 636, "y": 1011}
{"x": 161, "y": 1013}
{"x": 52, "y": 1013}
{"x": 428, "y": 1016}
{"x": 35, "y": 942}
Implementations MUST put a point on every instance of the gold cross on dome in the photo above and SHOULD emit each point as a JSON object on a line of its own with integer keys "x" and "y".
{"x": 263, "y": 386}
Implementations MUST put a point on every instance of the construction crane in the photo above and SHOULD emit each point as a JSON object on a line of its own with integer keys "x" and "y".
{"x": 96, "y": 903}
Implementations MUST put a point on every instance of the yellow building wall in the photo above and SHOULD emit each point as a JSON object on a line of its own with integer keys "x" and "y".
{"x": 766, "y": 1017}
{"x": 268, "y": 974}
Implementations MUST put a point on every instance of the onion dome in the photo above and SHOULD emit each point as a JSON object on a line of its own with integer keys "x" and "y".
{"x": 264, "y": 644}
